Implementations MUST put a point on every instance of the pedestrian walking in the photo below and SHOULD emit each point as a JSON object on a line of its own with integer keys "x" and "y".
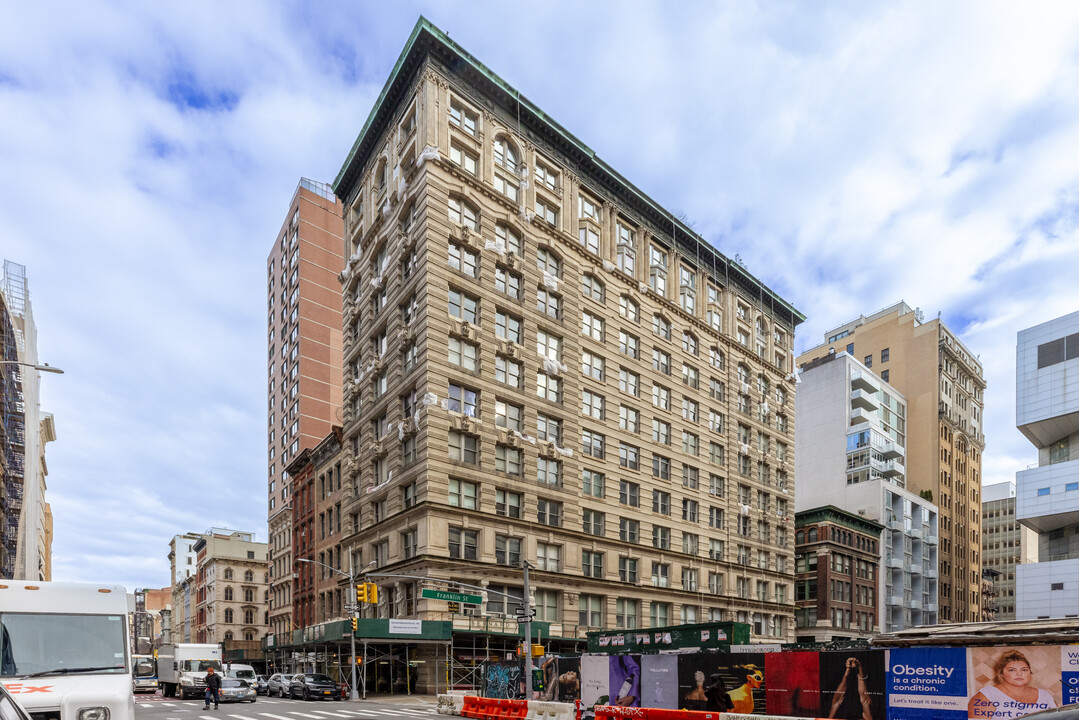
{"x": 213, "y": 688}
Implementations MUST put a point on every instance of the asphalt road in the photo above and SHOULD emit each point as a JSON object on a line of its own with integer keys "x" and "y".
{"x": 155, "y": 707}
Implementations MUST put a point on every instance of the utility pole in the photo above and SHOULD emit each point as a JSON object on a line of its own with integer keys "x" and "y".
{"x": 353, "y": 692}
{"x": 528, "y": 633}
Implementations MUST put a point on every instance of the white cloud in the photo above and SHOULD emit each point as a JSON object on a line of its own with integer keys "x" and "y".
{"x": 851, "y": 154}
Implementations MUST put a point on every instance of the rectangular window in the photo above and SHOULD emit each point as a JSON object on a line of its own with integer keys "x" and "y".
{"x": 629, "y": 419}
{"x": 508, "y": 416}
{"x": 626, "y": 614}
{"x": 507, "y": 327}
{"x": 508, "y": 283}
{"x": 592, "y": 326}
{"x": 462, "y": 306}
{"x": 508, "y": 504}
{"x": 508, "y": 371}
{"x": 548, "y": 472}
{"x": 591, "y": 610}
{"x": 549, "y": 429}
{"x": 593, "y": 522}
{"x": 462, "y": 118}
{"x": 549, "y": 303}
{"x": 592, "y": 443}
{"x": 464, "y": 260}
{"x": 629, "y": 345}
{"x": 592, "y": 564}
{"x": 549, "y": 512}
{"x": 463, "y": 543}
{"x": 549, "y": 387}
{"x": 463, "y": 494}
{"x": 463, "y": 400}
{"x": 593, "y": 404}
{"x": 629, "y": 530}
{"x": 661, "y": 575}
{"x": 627, "y": 569}
{"x": 629, "y": 456}
{"x": 464, "y": 354}
{"x": 507, "y": 551}
{"x": 593, "y": 483}
{"x": 593, "y": 365}
{"x": 548, "y": 557}
{"x": 464, "y": 448}
{"x": 463, "y": 158}
{"x": 629, "y": 493}
{"x": 508, "y": 460}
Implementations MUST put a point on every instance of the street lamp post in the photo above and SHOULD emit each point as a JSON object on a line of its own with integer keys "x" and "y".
{"x": 42, "y": 368}
{"x": 353, "y": 693}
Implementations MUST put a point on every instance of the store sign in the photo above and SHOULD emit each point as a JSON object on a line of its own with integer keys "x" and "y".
{"x": 406, "y": 627}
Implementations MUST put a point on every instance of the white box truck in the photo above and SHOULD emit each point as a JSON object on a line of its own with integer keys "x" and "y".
{"x": 64, "y": 649}
{"x": 181, "y": 668}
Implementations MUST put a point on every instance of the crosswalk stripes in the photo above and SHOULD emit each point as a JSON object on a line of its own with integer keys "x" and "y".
{"x": 241, "y": 717}
{"x": 303, "y": 715}
{"x": 328, "y": 713}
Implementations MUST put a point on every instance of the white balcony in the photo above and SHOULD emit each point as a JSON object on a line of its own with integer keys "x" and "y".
{"x": 860, "y": 415}
{"x": 896, "y": 563}
{"x": 863, "y": 381}
{"x": 893, "y": 468}
{"x": 915, "y": 604}
{"x": 891, "y": 450}
{"x": 915, "y": 533}
{"x": 915, "y": 568}
{"x": 895, "y": 600}
{"x": 864, "y": 399}
{"x": 931, "y": 574}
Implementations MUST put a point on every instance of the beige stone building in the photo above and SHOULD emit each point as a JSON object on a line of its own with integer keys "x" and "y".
{"x": 543, "y": 364}
{"x": 944, "y": 383}
{"x": 1006, "y": 543}
{"x": 230, "y": 589}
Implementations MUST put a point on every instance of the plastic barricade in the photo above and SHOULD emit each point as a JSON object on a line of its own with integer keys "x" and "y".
{"x": 474, "y": 707}
{"x": 515, "y": 709}
{"x": 616, "y": 712}
{"x": 543, "y": 710}
{"x": 449, "y": 704}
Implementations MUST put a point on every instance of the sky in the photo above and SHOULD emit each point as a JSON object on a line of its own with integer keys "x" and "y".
{"x": 851, "y": 154}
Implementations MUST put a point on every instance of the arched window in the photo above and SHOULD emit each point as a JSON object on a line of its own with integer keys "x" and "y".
{"x": 510, "y": 239}
{"x": 661, "y": 326}
{"x": 718, "y": 359}
{"x": 249, "y": 617}
{"x": 548, "y": 262}
{"x": 461, "y": 213}
{"x": 228, "y": 593}
{"x": 689, "y": 343}
{"x": 228, "y": 573}
{"x": 743, "y": 374}
{"x": 812, "y": 534}
{"x": 228, "y": 635}
{"x": 228, "y": 616}
{"x": 762, "y": 385}
{"x": 800, "y": 537}
{"x": 506, "y": 155}
{"x": 249, "y": 576}
{"x": 249, "y": 595}
{"x": 249, "y": 635}
{"x": 592, "y": 287}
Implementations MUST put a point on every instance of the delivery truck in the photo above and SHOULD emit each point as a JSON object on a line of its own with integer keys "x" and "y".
{"x": 64, "y": 649}
{"x": 181, "y": 668}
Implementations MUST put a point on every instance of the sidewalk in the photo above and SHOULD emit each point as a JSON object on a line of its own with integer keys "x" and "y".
{"x": 413, "y": 699}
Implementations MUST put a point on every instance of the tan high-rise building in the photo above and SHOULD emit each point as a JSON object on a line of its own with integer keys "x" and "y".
{"x": 943, "y": 383}
{"x": 543, "y": 364}
{"x": 303, "y": 363}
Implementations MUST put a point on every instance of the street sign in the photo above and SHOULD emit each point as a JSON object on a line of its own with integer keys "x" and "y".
{"x": 454, "y": 607}
{"x": 431, "y": 594}
{"x": 522, "y": 612}
{"x": 522, "y": 620}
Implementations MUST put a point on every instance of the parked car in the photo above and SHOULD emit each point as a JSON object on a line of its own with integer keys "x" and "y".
{"x": 313, "y": 686}
{"x": 262, "y": 684}
{"x": 278, "y": 684}
{"x": 236, "y": 690}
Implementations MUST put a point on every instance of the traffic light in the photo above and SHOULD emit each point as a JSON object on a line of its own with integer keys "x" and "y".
{"x": 354, "y": 623}
{"x": 361, "y": 593}
{"x": 372, "y": 593}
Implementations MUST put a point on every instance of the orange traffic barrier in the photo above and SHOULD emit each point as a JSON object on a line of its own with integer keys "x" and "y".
{"x": 471, "y": 707}
{"x": 614, "y": 712}
{"x": 516, "y": 709}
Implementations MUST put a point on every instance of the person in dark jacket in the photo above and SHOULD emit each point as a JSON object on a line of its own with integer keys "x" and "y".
{"x": 717, "y": 698}
{"x": 213, "y": 688}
